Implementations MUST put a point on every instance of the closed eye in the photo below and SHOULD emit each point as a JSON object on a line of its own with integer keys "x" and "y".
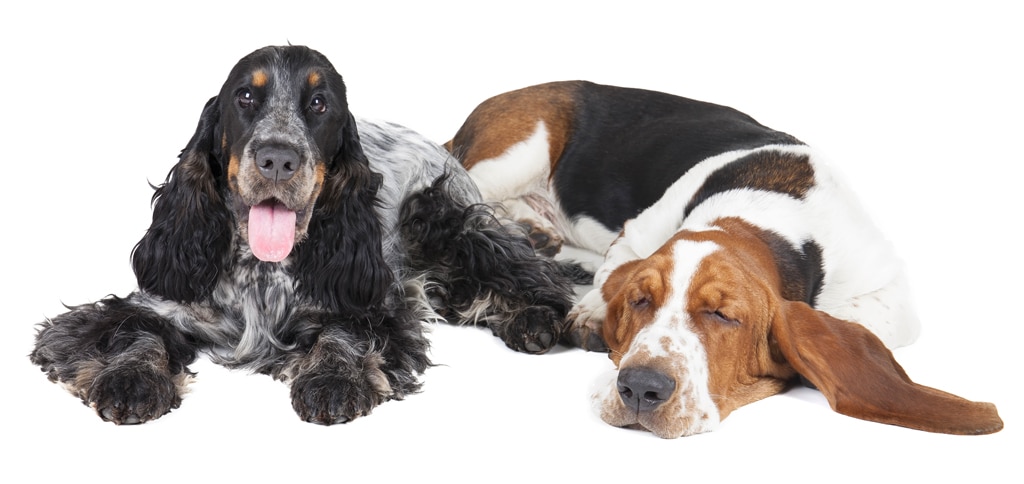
{"x": 640, "y": 302}
{"x": 720, "y": 317}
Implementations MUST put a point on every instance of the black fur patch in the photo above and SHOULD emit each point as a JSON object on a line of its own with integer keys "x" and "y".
{"x": 771, "y": 171}
{"x": 525, "y": 297}
{"x": 178, "y": 264}
{"x": 801, "y": 269}
{"x": 649, "y": 138}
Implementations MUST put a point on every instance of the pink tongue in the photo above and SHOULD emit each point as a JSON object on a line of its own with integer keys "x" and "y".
{"x": 271, "y": 231}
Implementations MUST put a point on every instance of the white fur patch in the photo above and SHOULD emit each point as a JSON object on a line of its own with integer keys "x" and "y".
{"x": 522, "y": 169}
{"x": 587, "y": 233}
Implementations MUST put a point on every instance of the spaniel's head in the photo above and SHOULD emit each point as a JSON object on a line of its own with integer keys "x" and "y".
{"x": 275, "y": 160}
{"x": 284, "y": 121}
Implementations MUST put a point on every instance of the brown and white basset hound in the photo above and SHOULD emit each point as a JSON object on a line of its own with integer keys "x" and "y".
{"x": 734, "y": 260}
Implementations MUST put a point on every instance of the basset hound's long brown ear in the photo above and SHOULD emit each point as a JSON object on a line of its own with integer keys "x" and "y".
{"x": 615, "y": 328}
{"x": 860, "y": 378}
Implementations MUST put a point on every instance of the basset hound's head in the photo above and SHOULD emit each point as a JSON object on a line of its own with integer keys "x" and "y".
{"x": 703, "y": 326}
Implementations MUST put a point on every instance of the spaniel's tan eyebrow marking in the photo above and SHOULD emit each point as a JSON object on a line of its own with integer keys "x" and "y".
{"x": 259, "y": 78}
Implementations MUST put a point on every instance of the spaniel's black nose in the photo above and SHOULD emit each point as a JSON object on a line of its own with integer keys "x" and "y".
{"x": 644, "y": 389}
{"x": 277, "y": 163}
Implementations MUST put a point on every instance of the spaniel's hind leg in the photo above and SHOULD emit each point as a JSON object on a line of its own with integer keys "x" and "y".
{"x": 121, "y": 359}
{"x": 481, "y": 271}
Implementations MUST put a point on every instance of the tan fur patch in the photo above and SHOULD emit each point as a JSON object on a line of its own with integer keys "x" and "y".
{"x": 259, "y": 78}
{"x": 320, "y": 174}
{"x": 739, "y": 282}
{"x": 779, "y": 172}
{"x": 233, "y": 167}
{"x": 372, "y": 364}
{"x": 504, "y": 120}
{"x": 634, "y": 291}
{"x": 87, "y": 372}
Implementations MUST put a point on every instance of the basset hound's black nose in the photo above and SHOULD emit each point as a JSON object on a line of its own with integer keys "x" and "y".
{"x": 644, "y": 389}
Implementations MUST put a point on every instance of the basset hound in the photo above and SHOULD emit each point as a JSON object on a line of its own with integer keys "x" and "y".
{"x": 735, "y": 261}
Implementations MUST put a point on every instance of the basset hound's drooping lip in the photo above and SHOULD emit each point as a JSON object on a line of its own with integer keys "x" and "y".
{"x": 732, "y": 260}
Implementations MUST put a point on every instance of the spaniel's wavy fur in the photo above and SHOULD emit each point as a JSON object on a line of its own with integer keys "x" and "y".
{"x": 384, "y": 232}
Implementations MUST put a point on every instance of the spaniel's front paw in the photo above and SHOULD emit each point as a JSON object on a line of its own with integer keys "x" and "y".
{"x": 534, "y": 330}
{"x": 328, "y": 398}
{"x": 132, "y": 393}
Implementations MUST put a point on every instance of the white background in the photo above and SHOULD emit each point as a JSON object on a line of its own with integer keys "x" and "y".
{"x": 919, "y": 103}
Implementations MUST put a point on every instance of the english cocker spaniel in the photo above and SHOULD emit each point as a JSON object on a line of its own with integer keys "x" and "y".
{"x": 295, "y": 240}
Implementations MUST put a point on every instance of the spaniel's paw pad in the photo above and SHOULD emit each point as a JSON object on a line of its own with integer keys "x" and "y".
{"x": 328, "y": 398}
{"x": 545, "y": 242}
{"x": 535, "y": 330}
{"x": 130, "y": 394}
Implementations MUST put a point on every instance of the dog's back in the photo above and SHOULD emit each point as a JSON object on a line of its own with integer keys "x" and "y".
{"x": 743, "y": 259}
{"x": 576, "y": 161}
{"x": 614, "y": 150}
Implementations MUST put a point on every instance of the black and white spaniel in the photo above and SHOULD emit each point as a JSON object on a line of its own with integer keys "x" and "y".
{"x": 294, "y": 240}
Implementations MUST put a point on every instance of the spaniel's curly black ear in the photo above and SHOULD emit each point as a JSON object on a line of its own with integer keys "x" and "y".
{"x": 181, "y": 255}
{"x": 341, "y": 262}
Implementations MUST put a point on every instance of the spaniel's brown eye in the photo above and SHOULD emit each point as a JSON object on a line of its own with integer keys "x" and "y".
{"x": 245, "y": 99}
{"x": 318, "y": 105}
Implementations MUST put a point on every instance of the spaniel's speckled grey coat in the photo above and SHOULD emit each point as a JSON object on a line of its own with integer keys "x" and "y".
{"x": 388, "y": 234}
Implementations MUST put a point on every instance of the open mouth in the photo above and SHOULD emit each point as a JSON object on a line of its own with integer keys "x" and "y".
{"x": 271, "y": 230}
